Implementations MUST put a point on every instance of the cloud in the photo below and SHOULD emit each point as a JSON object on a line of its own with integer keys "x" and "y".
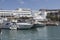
{"x": 21, "y": 1}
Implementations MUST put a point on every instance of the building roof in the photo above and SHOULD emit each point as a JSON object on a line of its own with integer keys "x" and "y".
{"x": 49, "y": 10}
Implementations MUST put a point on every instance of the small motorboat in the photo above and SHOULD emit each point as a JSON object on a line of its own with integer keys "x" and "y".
{"x": 13, "y": 25}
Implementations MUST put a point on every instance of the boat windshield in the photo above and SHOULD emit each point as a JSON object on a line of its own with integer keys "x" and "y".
{"x": 24, "y": 21}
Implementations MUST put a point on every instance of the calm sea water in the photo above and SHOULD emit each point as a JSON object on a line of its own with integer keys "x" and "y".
{"x": 42, "y": 33}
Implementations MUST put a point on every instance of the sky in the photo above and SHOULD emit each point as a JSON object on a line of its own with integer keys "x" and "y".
{"x": 33, "y": 4}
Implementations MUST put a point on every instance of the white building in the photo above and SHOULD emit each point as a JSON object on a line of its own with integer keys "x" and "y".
{"x": 22, "y": 12}
{"x": 40, "y": 15}
{"x": 6, "y": 13}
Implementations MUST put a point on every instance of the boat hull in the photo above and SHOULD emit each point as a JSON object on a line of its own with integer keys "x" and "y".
{"x": 24, "y": 26}
{"x": 38, "y": 25}
{"x": 5, "y": 26}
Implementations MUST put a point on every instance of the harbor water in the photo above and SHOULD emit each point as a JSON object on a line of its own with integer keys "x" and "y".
{"x": 41, "y": 33}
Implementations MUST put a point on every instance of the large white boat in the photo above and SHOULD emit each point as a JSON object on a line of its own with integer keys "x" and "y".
{"x": 21, "y": 24}
{"x": 39, "y": 23}
{"x": 24, "y": 25}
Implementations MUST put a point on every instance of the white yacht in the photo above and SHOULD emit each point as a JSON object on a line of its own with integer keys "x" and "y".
{"x": 39, "y": 22}
{"x": 24, "y": 25}
{"x": 39, "y": 17}
{"x": 21, "y": 24}
{"x": 8, "y": 25}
